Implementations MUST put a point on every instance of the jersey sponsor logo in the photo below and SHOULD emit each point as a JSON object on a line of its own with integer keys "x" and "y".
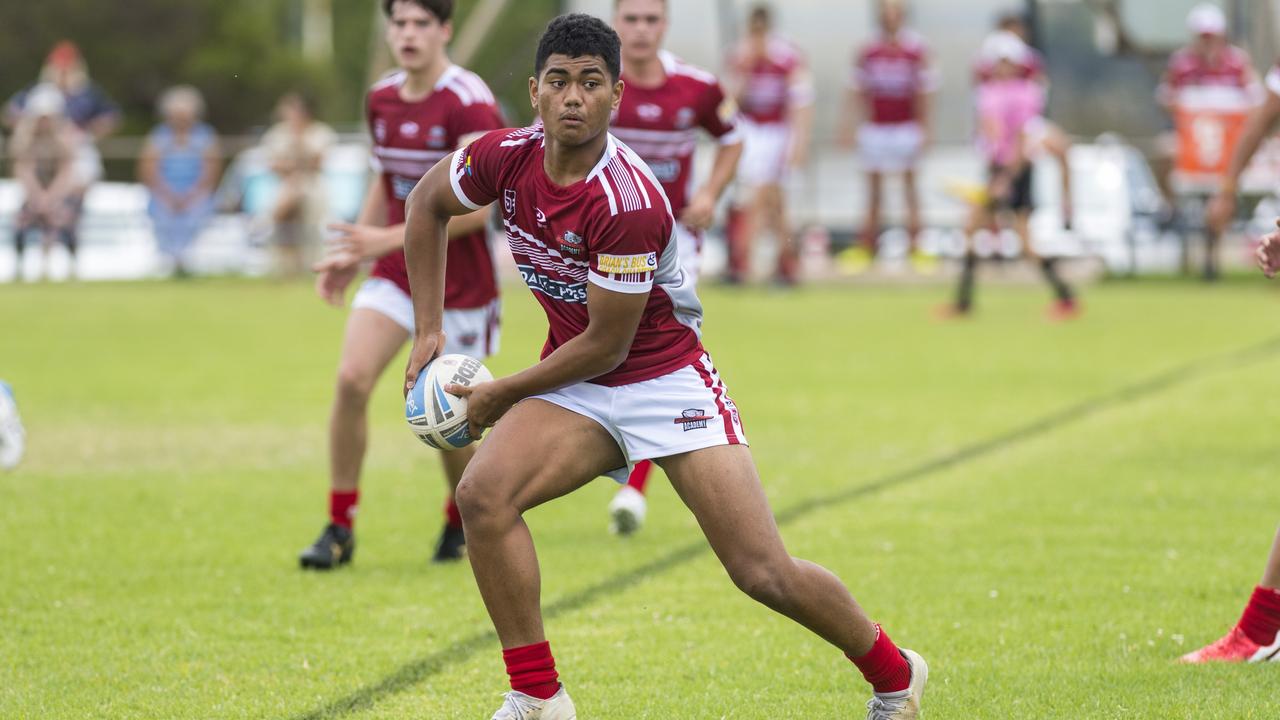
{"x": 665, "y": 170}
{"x": 509, "y": 201}
{"x": 401, "y": 186}
{"x": 570, "y": 292}
{"x": 436, "y": 137}
{"x": 684, "y": 118}
{"x": 649, "y": 111}
{"x": 627, "y": 264}
{"x": 540, "y": 216}
{"x": 409, "y": 128}
{"x": 693, "y": 419}
{"x": 572, "y": 243}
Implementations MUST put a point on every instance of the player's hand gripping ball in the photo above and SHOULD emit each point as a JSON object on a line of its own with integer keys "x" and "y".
{"x": 436, "y": 417}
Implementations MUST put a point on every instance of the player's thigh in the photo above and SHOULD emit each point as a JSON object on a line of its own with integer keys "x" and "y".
{"x": 722, "y": 489}
{"x": 369, "y": 343}
{"x": 537, "y": 452}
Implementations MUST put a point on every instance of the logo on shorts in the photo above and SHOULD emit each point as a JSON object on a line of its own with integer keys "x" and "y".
{"x": 692, "y": 419}
{"x": 572, "y": 243}
{"x": 509, "y": 201}
{"x": 469, "y": 339}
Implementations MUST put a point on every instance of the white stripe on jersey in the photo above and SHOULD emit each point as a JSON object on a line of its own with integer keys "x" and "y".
{"x": 541, "y": 255}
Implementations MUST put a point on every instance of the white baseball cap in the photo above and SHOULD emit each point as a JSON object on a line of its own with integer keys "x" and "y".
{"x": 44, "y": 99}
{"x": 1207, "y": 19}
{"x": 1004, "y": 45}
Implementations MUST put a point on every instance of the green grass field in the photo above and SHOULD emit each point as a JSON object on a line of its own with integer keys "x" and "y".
{"x": 1051, "y": 514}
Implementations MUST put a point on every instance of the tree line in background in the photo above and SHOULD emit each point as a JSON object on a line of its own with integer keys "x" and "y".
{"x": 242, "y": 54}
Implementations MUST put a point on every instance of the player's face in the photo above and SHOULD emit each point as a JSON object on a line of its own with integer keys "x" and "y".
{"x": 641, "y": 24}
{"x": 575, "y": 97}
{"x": 416, "y": 36}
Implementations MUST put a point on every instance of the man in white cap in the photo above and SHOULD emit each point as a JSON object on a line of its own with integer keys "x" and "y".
{"x": 1208, "y": 61}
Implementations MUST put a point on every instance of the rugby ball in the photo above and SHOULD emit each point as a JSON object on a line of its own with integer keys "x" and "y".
{"x": 436, "y": 417}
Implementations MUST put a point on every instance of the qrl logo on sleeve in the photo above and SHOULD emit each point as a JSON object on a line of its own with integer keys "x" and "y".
{"x": 641, "y": 264}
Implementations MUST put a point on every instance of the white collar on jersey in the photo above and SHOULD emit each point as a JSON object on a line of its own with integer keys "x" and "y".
{"x": 610, "y": 150}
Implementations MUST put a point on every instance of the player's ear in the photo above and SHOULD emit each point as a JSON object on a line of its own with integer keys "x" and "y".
{"x": 447, "y": 29}
{"x": 618, "y": 88}
{"x": 533, "y": 92}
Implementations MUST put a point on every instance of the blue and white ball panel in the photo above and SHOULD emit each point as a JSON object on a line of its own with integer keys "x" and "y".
{"x": 436, "y": 417}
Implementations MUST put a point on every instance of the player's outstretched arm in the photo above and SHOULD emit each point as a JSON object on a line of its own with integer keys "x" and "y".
{"x": 613, "y": 318}
{"x": 426, "y": 241}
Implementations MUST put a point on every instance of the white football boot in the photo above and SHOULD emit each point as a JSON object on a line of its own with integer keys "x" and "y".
{"x": 904, "y": 704}
{"x": 626, "y": 511}
{"x": 13, "y": 439}
{"x": 519, "y": 706}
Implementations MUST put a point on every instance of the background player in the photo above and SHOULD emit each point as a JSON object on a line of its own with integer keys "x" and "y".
{"x": 622, "y": 376}
{"x": 889, "y": 88}
{"x": 774, "y": 92}
{"x": 666, "y": 101}
{"x": 416, "y": 116}
{"x": 1256, "y": 128}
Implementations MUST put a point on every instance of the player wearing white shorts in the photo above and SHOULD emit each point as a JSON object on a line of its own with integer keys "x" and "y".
{"x": 775, "y": 95}
{"x": 889, "y": 88}
{"x": 416, "y": 116}
{"x": 623, "y": 375}
{"x": 666, "y": 102}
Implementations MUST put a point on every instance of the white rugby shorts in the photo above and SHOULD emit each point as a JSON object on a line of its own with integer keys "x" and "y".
{"x": 892, "y": 148}
{"x": 468, "y": 331}
{"x": 685, "y": 410}
{"x": 766, "y": 153}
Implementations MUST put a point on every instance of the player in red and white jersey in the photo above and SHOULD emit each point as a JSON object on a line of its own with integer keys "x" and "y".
{"x": 1208, "y": 63}
{"x": 666, "y": 102}
{"x": 417, "y": 115}
{"x": 623, "y": 375}
{"x": 770, "y": 82}
{"x": 889, "y": 89}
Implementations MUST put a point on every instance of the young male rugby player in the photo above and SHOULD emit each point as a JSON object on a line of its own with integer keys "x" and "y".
{"x": 666, "y": 102}
{"x": 623, "y": 375}
{"x": 417, "y": 116}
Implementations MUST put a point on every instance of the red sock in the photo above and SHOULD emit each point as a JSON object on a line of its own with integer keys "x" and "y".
{"x": 342, "y": 507}
{"x": 884, "y": 666}
{"x": 640, "y": 475}
{"x": 532, "y": 670}
{"x": 1261, "y": 619}
{"x": 452, "y": 515}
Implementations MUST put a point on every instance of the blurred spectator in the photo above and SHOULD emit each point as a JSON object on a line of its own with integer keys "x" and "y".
{"x": 296, "y": 147}
{"x": 44, "y": 162}
{"x": 92, "y": 114}
{"x": 180, "y": 164}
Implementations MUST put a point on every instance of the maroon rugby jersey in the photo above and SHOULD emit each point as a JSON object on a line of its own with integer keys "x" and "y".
{"x": 660, "y": 124}
{"x": 767, "y": 93}
{"x": 409, "y": 138}
{"x": 892, "y": 73}
{"x": 614, "y": 229}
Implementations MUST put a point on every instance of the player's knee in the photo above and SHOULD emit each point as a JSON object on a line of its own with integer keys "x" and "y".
{"x": 354, "y": 383}
{"x": 763, "y": 580}
{"x": 480, "y": 506}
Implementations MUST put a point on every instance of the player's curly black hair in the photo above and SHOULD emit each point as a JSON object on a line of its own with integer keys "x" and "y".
{"x": 576, "y": 35}
{"x": 442, "y": 9}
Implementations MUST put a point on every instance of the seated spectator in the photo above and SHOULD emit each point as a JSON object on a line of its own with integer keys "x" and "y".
{"x": 44, "y": 154}
{"x": 296, "y": 147}
{"x": 179, "y": 165}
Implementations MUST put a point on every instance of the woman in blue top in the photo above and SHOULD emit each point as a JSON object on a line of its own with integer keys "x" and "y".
{"x": 180, "y": 165}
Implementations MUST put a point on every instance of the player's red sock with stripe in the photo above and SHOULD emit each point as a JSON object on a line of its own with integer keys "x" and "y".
{"x": 640, "y": 475}
{"x": 532, "y": 670}
{"x": 342, "y": 507}
{"x": 452, "y": 515}
{"x": 1261, "y": 618}
{"x": 884, "y": 666}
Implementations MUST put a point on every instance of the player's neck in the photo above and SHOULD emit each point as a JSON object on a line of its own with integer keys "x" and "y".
{"x": 420, "y": 83}
{"x": 567, "y": 165}
{"x": 645, "y": 72}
